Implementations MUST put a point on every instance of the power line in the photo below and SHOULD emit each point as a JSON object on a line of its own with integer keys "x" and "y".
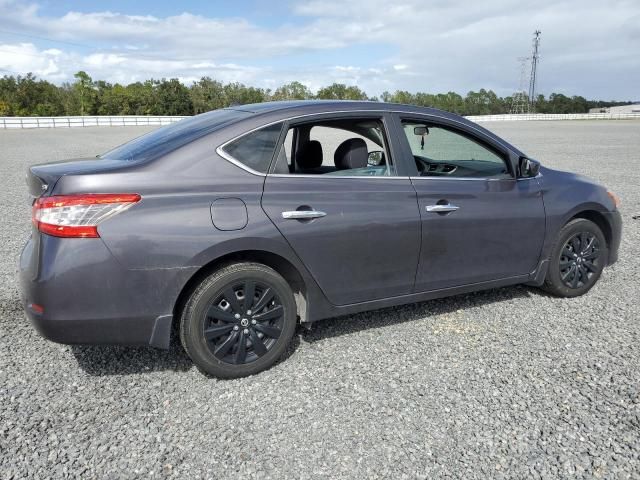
{"x": 46, "y": 39}
{"x": 127, "y": 55}
{"x": 11, "y": 71}
{"x": 37, "y": 55}
{"x": 59, "y": 62}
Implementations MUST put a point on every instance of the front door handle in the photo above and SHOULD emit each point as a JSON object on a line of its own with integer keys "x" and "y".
{"x": 442, "y": 208}
{"x": 302, "y": 214}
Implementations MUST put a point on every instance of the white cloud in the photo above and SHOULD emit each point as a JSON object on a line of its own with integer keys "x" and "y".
{"x": 589, "y": 47}
{"x": 25, "y": 57}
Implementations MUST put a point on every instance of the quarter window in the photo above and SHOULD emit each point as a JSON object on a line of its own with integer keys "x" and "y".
{"x": 255, "y": 149}
{"x": 442, "y": 152}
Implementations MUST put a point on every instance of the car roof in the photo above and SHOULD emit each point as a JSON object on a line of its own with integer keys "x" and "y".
{"x": 312, "y": 106}
{"x": 309, "y": 107}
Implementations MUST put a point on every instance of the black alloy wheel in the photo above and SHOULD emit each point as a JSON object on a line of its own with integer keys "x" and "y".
{"x": 239, "y": 320}
{"x": 243, "y": 322}
{"x": 579, "y": 259}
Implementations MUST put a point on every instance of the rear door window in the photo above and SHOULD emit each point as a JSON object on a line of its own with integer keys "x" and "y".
{"x": 345, "y": 147}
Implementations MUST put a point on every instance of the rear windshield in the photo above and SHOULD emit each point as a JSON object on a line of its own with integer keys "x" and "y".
{"x": 166, "y": 139}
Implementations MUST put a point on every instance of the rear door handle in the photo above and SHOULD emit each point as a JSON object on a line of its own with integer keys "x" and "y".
{"x": 442, "y": 208}
{"x": 302, "y": 214}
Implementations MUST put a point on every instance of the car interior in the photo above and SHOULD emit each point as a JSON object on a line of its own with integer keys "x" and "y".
{"x": 339, "y": 147}
{"x": 443, "y": 152}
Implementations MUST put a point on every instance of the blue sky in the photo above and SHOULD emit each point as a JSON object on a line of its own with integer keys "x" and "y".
{"x": 260, "y": 12}
{"x": 416, "y": 45}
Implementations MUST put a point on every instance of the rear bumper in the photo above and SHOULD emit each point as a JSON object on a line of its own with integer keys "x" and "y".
{"x": 615, "y": 222}
{"x": 112, "y": 331}
{"x": 75, "y": 292}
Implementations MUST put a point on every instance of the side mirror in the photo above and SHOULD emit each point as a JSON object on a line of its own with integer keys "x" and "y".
{"x": 375, "y": 158}
{"x": 419, "y": 131}
{"x": 528, "y": 167}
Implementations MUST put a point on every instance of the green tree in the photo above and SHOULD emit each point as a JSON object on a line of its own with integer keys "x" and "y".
{"x": 451, "y": 102}
{"x": 141, "y": 98}
{"x": 84, "y": 88}
{"x": 340, "y": 91}
{"x": 207, "y": 94}
{"x": 292, "y": 91}
{"x": 27, "y": 95}
{"x": 478, "y": 103}
{"x": 173, "y": 98}
{"x": 402, "y": 96}
{"x": 580, "y": 104}
{"x": 559, "y": 103}
{"x": 8, "y": 89}
{"x": 239, "y": 94}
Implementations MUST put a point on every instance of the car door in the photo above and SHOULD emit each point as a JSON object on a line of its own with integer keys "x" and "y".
{"x": 357, "y": 230}
{"x": 479, "y": 223}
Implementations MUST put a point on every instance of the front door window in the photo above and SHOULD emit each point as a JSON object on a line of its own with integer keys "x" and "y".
{"x": 444, "y": 152}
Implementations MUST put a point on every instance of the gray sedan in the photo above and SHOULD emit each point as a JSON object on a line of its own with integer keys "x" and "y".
{"x": 237, "y": 224}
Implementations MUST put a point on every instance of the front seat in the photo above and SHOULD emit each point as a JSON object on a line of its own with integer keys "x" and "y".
{"x": 350, "y": 154}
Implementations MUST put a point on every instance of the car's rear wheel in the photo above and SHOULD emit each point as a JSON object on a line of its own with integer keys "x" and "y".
{"x": 577, "y": 259}
{"x": 238, "y": 321}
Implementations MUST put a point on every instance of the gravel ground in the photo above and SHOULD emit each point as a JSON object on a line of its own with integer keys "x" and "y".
{"x": 507, "y": 383}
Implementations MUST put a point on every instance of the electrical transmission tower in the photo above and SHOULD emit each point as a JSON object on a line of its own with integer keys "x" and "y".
{"x": 523, "y": 101}
{"x": 520, "y": 100}
{"x": 534, "y": 65}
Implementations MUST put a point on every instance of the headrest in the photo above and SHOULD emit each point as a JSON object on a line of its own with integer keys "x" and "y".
{"x": 351, "y": 153}
{"x": 309, "y": 155}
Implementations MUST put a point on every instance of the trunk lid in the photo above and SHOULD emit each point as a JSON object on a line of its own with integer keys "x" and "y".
{"x": 42, "y": 178}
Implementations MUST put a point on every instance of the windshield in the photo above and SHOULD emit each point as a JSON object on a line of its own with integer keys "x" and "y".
{"x": 166, "y": 139}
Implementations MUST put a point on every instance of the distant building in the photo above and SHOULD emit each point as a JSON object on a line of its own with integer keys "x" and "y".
{"x": 634, "y": 108}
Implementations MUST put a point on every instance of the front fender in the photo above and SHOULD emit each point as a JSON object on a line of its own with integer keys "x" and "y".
{"x": 568, "y": 195}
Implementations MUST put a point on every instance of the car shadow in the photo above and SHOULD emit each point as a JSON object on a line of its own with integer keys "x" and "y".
{"x": 338, "y": 326}
{"x": 105, "y": 360}
{"x": 121, "y": 360}
{"x": 101, "y": 360}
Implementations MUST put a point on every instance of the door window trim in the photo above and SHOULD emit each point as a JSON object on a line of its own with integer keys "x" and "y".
{"x": 458, "y": 128}
{"x": 381, "y": 115}
{"x": 392, "y": 120}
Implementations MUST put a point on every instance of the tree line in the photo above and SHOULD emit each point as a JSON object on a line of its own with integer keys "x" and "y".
{"x": 30, "y": 96}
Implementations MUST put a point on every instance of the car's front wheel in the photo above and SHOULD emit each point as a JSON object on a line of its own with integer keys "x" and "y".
{"x": 238, "y": 321}
{"x": 577, "y": 259}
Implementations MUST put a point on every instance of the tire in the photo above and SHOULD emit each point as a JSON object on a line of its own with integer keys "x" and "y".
{"x": 577, "y": 259}
{"x": 219, "y": 334}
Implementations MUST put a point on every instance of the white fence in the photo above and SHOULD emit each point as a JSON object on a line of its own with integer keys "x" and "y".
{"x": 86, "y": 121}
{"x": 553, "y": 116}
{"x": 133, "y": 120}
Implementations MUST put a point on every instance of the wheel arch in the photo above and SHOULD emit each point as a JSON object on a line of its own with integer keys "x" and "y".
{"x": 281, "y": 265}
{"x": 599, "y": 219}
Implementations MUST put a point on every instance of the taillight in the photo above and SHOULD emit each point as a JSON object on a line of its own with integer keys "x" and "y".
{"x": 78, "y": 216}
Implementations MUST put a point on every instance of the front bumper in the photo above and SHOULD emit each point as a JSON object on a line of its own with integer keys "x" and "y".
{"x": 614, "y": 219}
{"x": 75, "y": 292}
